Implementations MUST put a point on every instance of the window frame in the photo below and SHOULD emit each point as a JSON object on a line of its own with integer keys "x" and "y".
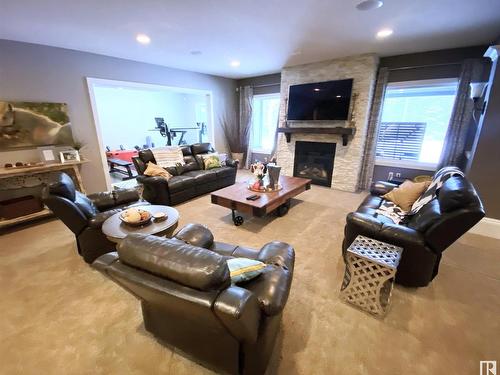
{"x": 405, "y": 85}
{"x": 276, "y": 95}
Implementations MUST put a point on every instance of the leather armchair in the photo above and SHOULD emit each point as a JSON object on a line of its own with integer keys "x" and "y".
{"x": 85, "y": 214}
{"x": 423, "y": 237}
{"x": 188, "y": 181}
{"x": 188, "y": 301}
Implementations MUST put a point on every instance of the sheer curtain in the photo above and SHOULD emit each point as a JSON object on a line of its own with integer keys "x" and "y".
{"x": 372, "y": 131}
{"x": 246, "y": 98}
{"x": 461, "y": 117}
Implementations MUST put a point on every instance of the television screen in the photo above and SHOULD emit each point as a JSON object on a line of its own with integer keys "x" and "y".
{"x": 320, "y": 101}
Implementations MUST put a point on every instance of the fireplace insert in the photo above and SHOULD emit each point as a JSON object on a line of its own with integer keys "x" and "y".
{"x": 314, "y": 160}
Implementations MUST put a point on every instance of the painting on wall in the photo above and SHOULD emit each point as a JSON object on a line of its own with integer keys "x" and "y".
{"x": 30, "y": 124}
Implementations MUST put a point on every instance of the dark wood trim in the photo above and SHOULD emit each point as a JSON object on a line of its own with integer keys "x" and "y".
{"x": 345, "y": 132}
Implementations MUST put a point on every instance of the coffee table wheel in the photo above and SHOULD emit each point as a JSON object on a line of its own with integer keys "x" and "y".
{"x": 237, "y": 220}
{"x": 283, "y": 209}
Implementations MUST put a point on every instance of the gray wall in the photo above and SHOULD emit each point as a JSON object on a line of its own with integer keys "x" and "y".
{"x": 30, "y": 72}
{"x": 381, "y": 172}
{"x": 485, "y": 166}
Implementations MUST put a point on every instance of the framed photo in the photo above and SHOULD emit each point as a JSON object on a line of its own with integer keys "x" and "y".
{"x": 69, "y": 156}
{"x": 47, "y": 154}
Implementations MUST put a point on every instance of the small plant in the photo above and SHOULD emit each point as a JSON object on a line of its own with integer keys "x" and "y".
{"x": 77, "y": 145}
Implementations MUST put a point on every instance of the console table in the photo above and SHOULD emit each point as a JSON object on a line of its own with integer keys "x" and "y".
{"x": 18, "y": 178}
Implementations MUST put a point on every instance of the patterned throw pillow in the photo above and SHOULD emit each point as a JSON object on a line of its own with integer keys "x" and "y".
{"x": 155, "y": 170}
{"x": 244, "y": 269}
{"x": 211, "y": 161}
{"x": 168, "y": 156}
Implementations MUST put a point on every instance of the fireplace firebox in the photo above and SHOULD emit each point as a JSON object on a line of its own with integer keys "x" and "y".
{"x": 314, "y": 160}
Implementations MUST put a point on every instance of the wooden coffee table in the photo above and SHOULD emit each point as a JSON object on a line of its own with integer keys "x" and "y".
{"x": 116, "y": 230}
{"x": 234, "y": 197}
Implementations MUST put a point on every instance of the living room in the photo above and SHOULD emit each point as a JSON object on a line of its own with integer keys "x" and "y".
{"x": 257, "y": 190}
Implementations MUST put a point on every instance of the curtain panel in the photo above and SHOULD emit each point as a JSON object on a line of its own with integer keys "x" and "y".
{"x": 461, "y": 120}
{"x": 246, "y": 98}
{"x": 368, "y": 165}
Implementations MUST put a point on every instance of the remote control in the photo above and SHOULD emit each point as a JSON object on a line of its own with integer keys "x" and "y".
{"x": 253, "y": 197}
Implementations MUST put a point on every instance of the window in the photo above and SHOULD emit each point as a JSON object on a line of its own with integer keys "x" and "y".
{"x": 414, "y": 122}
{"x": 264, "y": 122}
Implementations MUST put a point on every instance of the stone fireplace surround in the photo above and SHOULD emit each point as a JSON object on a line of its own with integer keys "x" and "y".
{"x": 348, "y": 159}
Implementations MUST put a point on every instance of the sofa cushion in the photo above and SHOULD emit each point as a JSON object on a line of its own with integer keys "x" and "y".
{"x": 190, "y": 164}
{"x": 371, "y": 201}
{"x": 179, "y": 183}
{"x": 63, "y": 186}
{"x": 202, "y": 177}
{"x": 185, "y": 264}
{"x": 201, "y": 148}
{"x": 224, "y": 172}
{"x": 426, "y": 216}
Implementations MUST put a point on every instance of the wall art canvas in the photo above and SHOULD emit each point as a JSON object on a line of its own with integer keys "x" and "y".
{"x": 30, "y": 124}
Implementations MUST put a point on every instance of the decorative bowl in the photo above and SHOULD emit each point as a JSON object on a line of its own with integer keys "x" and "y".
{"x": 160, "y": 216}
{"x": 135, "y": 217}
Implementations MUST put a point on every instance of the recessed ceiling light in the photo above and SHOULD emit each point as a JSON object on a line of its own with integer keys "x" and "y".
{"x": 235, "y": 63}
{"x": 384, "y": 33}
{"x": 195, "y": 53}
{"x": 369, "y": 4}
{"x": 143, "y": 39}
{"x": 338, "y": 96}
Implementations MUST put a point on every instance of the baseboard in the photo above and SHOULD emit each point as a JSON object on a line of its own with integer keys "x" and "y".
{"x": 487, "y": 227}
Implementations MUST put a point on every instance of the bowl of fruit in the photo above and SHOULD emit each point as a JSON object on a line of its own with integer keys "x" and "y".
{"x": 135, "y": 217}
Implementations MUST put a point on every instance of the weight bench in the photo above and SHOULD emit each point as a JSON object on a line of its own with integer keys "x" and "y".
{"x": 120, "y": 166}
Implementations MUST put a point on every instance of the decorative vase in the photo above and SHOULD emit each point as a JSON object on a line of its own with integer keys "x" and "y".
{"x": 273, "y": 171}
{"x": 239, "y": 157}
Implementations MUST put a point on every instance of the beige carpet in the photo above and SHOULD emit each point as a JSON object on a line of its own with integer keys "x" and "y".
{"x": 58, "y": 316}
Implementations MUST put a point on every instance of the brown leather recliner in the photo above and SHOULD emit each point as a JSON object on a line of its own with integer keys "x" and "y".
{"x": 188, "y": 301}
{"x": 85, "y": 214}
{"x": 425, "y": 235}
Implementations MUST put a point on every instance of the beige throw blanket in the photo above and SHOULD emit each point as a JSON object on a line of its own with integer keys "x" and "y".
{"x": 168, "y": 156}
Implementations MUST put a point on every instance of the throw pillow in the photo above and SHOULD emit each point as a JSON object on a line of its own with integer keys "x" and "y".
{"x": 155, "y": 170}
{"x": 168, "y": 156}
{"x": 244, "y": 269}
{"x": 407, "y": 193}
{"x": 211, "y": 161}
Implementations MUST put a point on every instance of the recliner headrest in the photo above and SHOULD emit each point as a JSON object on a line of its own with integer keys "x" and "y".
{"x": 457, "y": 193}
{"x": 201, "y": 148}
{"x": 185, "y": 264}
{"x": 196, "y": 235}
{"x": 63, "y": 186}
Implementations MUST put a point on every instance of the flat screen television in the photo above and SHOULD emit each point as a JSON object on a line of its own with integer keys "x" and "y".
{"x": 320, "y": 101}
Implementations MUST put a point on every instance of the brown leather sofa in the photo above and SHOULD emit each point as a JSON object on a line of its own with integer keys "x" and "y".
{"x": 188, "y": 301}
{"x": 425, "y": 236}
{"x": 188, "y": 181}
{"x": 85, "y": 214}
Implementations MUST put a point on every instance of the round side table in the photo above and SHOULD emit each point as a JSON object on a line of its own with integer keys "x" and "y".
{"x": 116, "y": 230}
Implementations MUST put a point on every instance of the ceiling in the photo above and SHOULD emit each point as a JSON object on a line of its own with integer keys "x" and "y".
{"x": 264, "y": 35}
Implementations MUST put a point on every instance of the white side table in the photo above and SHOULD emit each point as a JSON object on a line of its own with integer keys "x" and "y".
{"x": 371, "y": 266}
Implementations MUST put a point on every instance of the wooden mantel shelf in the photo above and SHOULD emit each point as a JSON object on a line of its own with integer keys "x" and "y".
{"x": 343, "y": 131}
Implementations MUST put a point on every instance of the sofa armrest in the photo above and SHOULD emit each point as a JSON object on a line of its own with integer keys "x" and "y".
{"x": 156, "y": 189}
{"x": 232, "y": 163}
{"x": 97, "y": 220}
{"x": 103, "y": 200}
{"x": 381, "y": 187}
{"x": 105, "y": 261}
{"x": 278, "y": 253}
{"x": 239, "y": 311}
{"x": 394, "y": 234}
{"x": 123, "y": 196}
